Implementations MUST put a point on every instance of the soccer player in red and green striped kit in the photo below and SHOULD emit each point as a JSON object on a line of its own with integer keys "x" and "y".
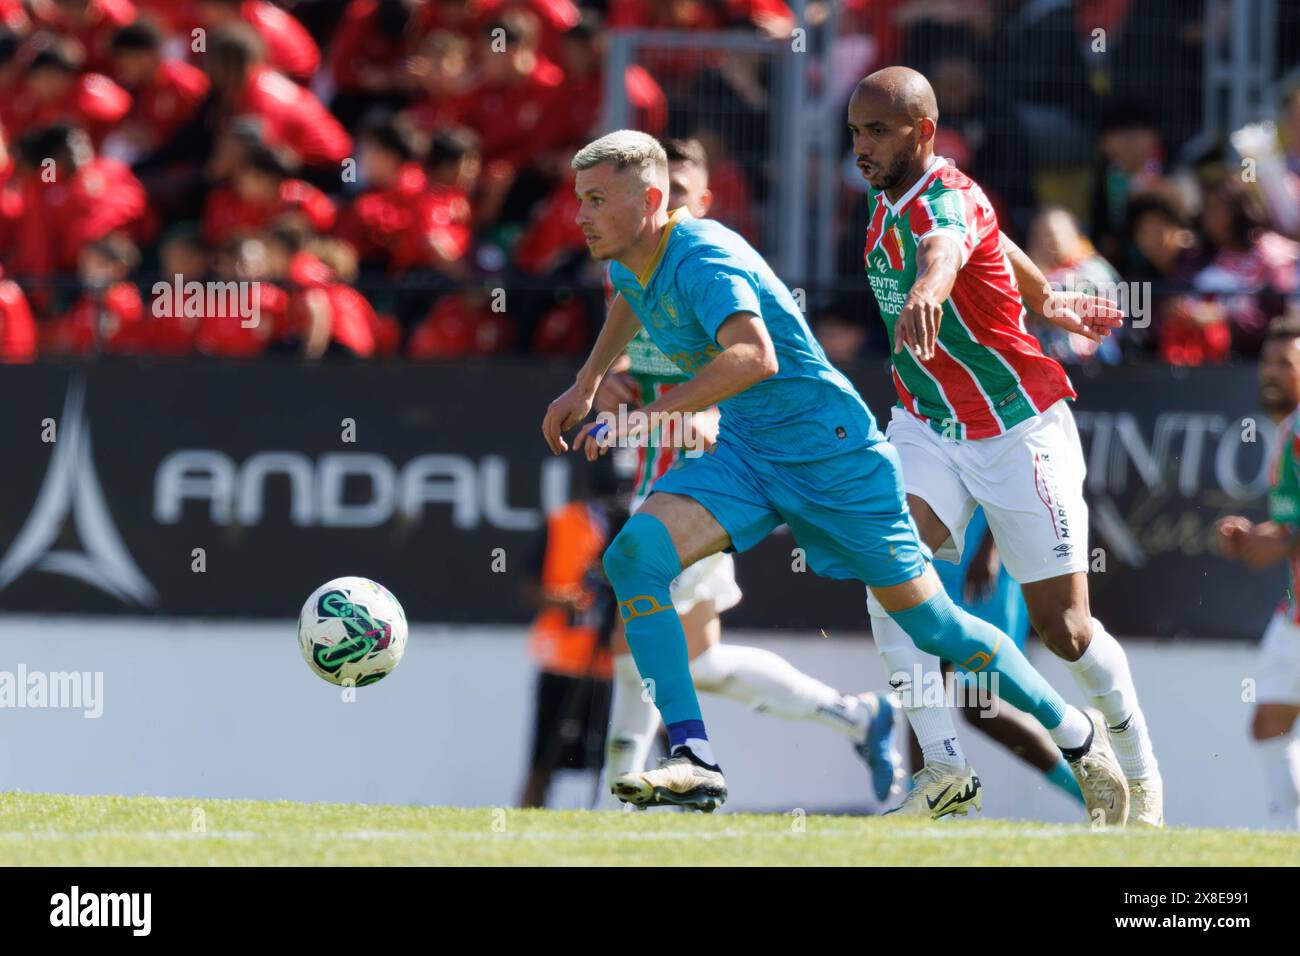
{"x": 982, "y": 416}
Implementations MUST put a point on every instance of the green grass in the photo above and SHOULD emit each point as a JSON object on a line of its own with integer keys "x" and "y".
{"x": 43, "y": 829}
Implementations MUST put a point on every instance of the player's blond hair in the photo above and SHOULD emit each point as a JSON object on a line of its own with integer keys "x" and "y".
{"x": 627, "y": 149}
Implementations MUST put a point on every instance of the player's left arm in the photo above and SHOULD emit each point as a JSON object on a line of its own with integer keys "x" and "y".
{"x": 938, "y": 260}
{"x": 725, "y": 298}
{"x": 1079, "y": 312}
{"x": 748, "y": 356}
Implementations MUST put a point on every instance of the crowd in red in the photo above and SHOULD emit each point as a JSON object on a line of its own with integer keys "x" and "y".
{"x": 418, "y": 144}
{"x": 377, "y": 170}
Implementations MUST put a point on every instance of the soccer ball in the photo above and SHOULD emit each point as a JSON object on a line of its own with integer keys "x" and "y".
{"x": 352, "y": 631}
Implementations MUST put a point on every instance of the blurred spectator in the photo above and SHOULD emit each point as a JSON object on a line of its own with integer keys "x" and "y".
{"x": 582, "y": 58}
{"x": 441, "y": 234}
{"x": 70, "y": 198}
{"x": 1132, "y": 160}
{"x": 169, "y": 330}
{"x": 1194, "y": 331}
{"x": 108, "y": 316}
{"x": 369, "y": 60}
{"x": 1247, "y": 261}
{"x": 242, "y": 310}
{"x": 1189, "y": 330}
{"x": 17, "y": 327}
{"x": 324, "y": 315}
{"x": 353, "y": 322}
{"x": 469, "y": 17}
{"x": 1069, "y": 262}
{"x": 443, "y": 80}
{"x": 89, "y": 23}
{"x": 166, "y": 94}
{"x": 1275, "y": 155}
{"x": 262, "y": 194}
{"x": 410, "y": 219}
{"x": 1164, "y": 245}
{"x": 289, "y": 47}
{"x": 553, "y": 242}
{"x": 53, "y": 90}
{"x": 392, "y": 182}
{"x": 291, "y": 117}
{"x": 519, "y": 104}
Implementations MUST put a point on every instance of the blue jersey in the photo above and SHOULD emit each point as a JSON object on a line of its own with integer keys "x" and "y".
{"x": 702, "y": 274}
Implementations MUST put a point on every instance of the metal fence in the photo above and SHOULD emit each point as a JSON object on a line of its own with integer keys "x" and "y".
{"x": 1025, "y": 90}
{"x": 743, "y": 98}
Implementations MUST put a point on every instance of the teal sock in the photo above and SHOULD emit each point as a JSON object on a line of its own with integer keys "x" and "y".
{"x": 641, "y": 563}
{"x": 940, "y": 627}
{"x": 1063, "y": 779}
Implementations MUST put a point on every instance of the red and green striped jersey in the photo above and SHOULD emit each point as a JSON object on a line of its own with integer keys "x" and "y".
{"x": 655, "y": 374}
{"x": 1284, "y": 500}
{"x": 988, "y": 373}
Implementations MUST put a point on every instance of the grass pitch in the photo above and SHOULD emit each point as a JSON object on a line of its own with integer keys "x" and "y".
{"x": 44, "y": 829}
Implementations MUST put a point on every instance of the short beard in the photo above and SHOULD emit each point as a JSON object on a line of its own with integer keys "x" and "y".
{"x": 896, "y": 174}
{"x": 1275, "y": 401}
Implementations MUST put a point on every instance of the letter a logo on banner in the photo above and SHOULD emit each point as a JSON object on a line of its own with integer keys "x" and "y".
{"x": 71, "y": 486}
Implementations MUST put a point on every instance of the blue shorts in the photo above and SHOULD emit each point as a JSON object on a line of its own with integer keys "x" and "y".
{"x": 848, "y": 513}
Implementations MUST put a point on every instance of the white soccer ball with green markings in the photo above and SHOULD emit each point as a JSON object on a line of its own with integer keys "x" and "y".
{"x": 352, "y": 631}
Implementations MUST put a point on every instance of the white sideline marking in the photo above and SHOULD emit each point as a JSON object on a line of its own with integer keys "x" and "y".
{"x": 941, "y": 832}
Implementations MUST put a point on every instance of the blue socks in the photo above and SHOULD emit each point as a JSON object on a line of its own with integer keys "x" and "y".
{"x": 940, "y": 627}
{"x": 1062, "y": 778}
{"x": 641, "y": 562}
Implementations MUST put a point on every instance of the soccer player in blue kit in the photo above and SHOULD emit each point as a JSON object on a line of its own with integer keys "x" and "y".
{"x": 797, "y": 445}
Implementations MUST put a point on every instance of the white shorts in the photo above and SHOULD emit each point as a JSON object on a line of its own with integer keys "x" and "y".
{"x": 1277, "y": 668}
{"x": 1028, "y": 480}
{"x": 709, "y": 579}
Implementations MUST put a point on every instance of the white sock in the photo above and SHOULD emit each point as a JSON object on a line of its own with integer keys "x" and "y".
{"x": 1102, "y": 673}
{"x": 1072, "y": 732}
{"x": 915, "y": 674}
{"x": 633, "y": 721}
{"x": 772, "y": 685}
{"x": 1281, "y": 758}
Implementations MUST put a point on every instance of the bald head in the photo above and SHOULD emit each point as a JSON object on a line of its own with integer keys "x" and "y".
{"x": 906, "y": 92}
{"x": 893, "y": 116}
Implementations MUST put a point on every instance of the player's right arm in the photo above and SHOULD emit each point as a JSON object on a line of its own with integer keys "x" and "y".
{"x": 568, "y": 411}
{"x": 938, "y": 259}
{"x": 618, "y": 387}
